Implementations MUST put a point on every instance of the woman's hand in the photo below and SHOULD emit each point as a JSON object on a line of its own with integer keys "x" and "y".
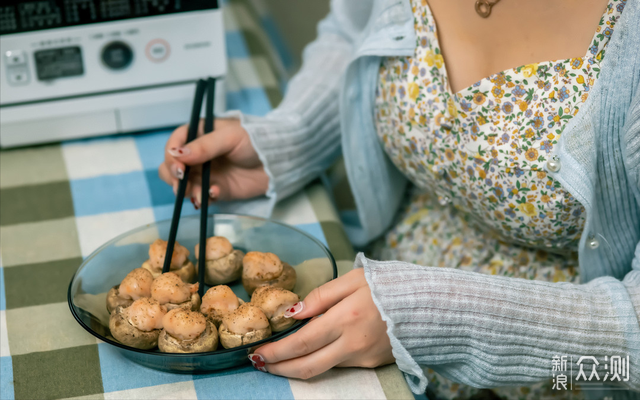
{"x": 236, "y": 170}
{"x": 350, "y": 333}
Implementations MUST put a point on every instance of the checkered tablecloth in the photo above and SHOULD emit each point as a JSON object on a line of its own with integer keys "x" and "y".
{"x": 58, "y": 203}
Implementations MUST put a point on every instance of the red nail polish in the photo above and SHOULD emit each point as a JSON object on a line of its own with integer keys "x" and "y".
{"x": 294, "y": 309}
{"x": 262, "y": 369}
{"x": 258, "y": 362}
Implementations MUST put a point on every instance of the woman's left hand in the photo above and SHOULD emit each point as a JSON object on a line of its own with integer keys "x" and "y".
{"x": 350, "y": 333}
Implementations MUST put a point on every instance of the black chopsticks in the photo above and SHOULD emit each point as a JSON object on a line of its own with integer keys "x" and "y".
{"x": 202, "y": 87}
{"x": 206, "y": 169}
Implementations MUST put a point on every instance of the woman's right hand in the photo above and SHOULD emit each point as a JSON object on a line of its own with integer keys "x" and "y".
{"x": 236, "y": 170}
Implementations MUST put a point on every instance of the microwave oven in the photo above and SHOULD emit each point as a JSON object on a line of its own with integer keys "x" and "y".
{"x": 79, "y": 68}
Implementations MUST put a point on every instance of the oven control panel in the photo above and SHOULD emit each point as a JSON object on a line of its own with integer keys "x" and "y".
{"x": 107, "y": 57}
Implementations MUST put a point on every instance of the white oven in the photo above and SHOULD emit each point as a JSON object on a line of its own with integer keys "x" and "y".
{"x": 75, "y": 68}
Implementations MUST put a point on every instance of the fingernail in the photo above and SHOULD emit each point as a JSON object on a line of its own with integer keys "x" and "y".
{"x": 175, "y": 189}
{"x": 178, "y": 172}
{"x": 294, "y": 309}
{"x": 258, "y": 362}
{"x": 193, "y": 201}
{"x": 199, "y": 199}
{"x": 179, "y": 151}
{"x": 212, "y": 193}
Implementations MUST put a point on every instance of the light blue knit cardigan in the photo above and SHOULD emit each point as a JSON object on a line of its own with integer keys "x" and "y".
{"x": 480, "y": 330}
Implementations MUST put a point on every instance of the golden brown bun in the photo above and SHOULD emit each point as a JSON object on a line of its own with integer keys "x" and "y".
{"x": 230, "y": 340}
{"x": 192, "y": 304}
{"x": 127, "y": 334}
{"x": 114, "y": 300}
{"x": 286, "y": 280}
{"x": 187, "y": 272}
{"x": 223, "y": 270}
{"x": 207, "y": 341}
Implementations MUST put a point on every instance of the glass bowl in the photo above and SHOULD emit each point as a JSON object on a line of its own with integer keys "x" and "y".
{"x": 109, "y": 264}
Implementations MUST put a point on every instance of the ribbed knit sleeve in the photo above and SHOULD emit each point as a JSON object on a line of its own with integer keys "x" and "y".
{"x": 489, "y": 331}
{"x": 300, "y": 139}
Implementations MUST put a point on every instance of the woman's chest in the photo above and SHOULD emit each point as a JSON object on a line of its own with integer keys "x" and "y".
{"x": 487, "y": 147}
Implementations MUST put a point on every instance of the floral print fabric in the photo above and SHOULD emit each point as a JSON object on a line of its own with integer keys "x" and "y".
{"x": 482, "y": 199}
{"x": 484, "y": 148}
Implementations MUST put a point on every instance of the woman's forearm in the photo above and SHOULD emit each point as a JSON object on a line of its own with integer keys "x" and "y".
{"x": 300, "y": 139}
{"x": 489, "y": 331}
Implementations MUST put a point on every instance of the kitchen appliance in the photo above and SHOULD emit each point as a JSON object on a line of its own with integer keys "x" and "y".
{"x": 77, "y": 68}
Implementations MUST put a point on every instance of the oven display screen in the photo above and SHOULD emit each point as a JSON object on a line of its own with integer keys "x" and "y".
{"x": 58, "y": 63}
{"x": 32, "y": 15}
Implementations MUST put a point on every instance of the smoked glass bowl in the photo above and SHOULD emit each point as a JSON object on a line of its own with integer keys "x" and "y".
{"x": 109, "y": 264}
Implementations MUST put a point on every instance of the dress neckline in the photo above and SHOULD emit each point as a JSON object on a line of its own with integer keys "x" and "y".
{"x": 458, "y": 94}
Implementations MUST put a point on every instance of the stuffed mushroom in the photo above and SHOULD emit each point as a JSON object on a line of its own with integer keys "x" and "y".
{"x": 180, "y": 263}
{"x": 136, "y": 285}
{"x": 246, "y": 324}
{"x": 223, "y": 264}
{"x": 187, "y": 331}
{"x": 169, "y": 290}
{"x": 266, "y": 269}
{"x": 219, "y": 301}
{"x": 139, "y": 324}
{"x": 274, "y": 301}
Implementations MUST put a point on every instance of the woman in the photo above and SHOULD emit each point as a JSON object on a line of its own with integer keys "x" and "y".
{"x": 532, "y": 172}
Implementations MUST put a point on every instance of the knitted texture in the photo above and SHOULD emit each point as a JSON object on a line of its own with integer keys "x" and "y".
{"x": 489, "y": 331}
{"x": 300, "y": 139}
{"x": 480, "y": 330}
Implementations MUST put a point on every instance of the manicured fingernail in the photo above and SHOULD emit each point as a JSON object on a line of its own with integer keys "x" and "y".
{"x": 258, "y": 362}
{"x": 193, "y": 201}
{"x": 175, "y": 189}
{"x": 179, "y": 151}
{"x": 212, "y": 193}
{"x": 294, "y": 309}
{"x": 178, "y": 172}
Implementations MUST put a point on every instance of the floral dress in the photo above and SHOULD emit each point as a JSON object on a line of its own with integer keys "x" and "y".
{"x": 481, "y": 198}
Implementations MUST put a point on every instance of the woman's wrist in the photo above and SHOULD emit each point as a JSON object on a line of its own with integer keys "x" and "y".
{"x": 291, "y": 152}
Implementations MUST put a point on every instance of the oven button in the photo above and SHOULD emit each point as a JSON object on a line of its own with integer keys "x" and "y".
{"x": 15, "y": 58}
{"x": 17, "y": 76}
{"x": 16, "y": 67}
{"x": 157, "y": 50}
{"x": 117, "y": 55}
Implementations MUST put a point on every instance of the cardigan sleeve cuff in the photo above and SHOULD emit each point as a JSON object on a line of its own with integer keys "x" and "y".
{"x": 292, "y": 153}
{"x": 488, "y": 331}
{"x": 413, "y": 373}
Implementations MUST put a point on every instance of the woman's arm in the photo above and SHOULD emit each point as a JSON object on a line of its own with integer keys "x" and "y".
{"x": 489, "y": 331}
{"x": 281, "y": 152}
{"x": 301, "y": 138}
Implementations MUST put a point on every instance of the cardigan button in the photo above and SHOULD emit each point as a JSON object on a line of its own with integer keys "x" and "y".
{"x": 553, "y": 164}
{"x": 593, "y": 242}
{"x": 444, "y": 200}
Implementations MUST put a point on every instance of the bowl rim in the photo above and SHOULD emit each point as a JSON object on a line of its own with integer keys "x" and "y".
{"x": 152, "y": 353}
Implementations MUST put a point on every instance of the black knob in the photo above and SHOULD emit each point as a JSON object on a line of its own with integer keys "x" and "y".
{"x": 117, "y": 55}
